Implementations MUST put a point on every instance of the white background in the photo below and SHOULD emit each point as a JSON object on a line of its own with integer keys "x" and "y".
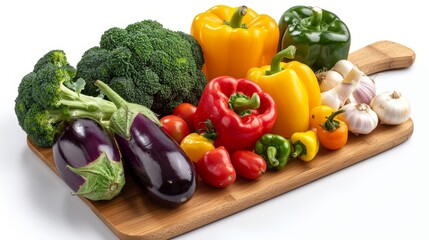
{"x": 383, "y": 197}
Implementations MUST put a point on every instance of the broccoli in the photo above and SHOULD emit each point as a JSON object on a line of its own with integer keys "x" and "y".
{"x": 146, "y": 64}
{"x": 48, "y": 97}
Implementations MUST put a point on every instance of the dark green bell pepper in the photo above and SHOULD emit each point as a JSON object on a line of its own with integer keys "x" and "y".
{"x": 275, "y": 150}
{"x": 321, "y": 38}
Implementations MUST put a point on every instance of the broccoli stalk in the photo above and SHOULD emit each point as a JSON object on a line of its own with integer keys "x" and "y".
{"x": 47, "y": 98}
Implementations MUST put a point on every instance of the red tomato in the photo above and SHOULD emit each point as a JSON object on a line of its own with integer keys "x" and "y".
{"x": 216, "y": 169}
{"x": 248, "y": 164}
{"x": 187, "y": 112}
{"x": 175, "y": 126}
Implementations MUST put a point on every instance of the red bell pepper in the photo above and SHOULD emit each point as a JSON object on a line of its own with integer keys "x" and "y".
{"x": 216, "y": 169}
{"x": 248, "y": 164}
{"x": 238, "y": 111}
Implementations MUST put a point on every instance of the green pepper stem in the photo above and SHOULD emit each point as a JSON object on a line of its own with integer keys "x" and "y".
{"x": 271, "y": 156}
{"x": 299, "y": 149}
{"x": 237, "y": 17}
{"x": 316, "y": 19}
{"x": 288, "y": 52}
{"x": 242, "y": 104}
{"x": 331, "y": 124}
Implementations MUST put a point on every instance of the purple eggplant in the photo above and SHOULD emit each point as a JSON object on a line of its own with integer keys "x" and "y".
{"x": 88, "y": 160}
{"x": 160, "y": 166}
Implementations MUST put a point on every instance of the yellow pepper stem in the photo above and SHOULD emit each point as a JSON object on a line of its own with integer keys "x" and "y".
{"x": 237, "y": 18}
{"x": 289, "y": 53}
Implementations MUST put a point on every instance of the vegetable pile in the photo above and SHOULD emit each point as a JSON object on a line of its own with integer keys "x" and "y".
{"x": 176, "y": 108}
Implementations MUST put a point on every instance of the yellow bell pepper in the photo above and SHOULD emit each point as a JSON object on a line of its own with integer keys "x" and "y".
{"x": 196, "y": 145}
{"x": 294, "y": 88}
{"x": 305, "y": 145}
{"x": 234, "y": 40}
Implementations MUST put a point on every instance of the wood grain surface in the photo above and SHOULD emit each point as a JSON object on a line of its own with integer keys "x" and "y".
{"x": 131, "y": 215}
{"x": 382, "y": 56}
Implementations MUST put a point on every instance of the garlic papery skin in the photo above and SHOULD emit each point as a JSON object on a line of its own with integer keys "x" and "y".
{"x": 391, "y": 107}
{"x": 337, "y": 96}
{"x": 360, "y": 118}
{"x": 328, "y": 80}
{"x": 365, "y": 91}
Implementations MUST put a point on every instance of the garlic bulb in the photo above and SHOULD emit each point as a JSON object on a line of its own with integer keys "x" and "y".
{"x": 391, "y": 107}
{"x": 365, "y": 91}
{"x": 337, "y": 96}
{"x": 360, "y": 118}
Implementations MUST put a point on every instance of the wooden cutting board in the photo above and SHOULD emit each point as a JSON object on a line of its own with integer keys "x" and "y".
{"x": 132, "y": 216}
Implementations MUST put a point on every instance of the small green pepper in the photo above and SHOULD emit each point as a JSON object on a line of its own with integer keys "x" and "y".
{"x": 320, "y": 37}
{"x": 275, "y": 150}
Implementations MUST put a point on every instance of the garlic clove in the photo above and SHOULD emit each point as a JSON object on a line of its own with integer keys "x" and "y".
{"x": 391, "y": 107}
{"x": 359, "y": 117}
{"x": 365, "y": 91}
{"x": 337, "y": 96}
{"x": 328, "y": 80}
{"x": 343, "y": 67}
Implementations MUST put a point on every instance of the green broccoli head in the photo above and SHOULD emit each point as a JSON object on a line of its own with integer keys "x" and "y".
{"x": 47, "y": 97}
{"x": 164, "y": 66}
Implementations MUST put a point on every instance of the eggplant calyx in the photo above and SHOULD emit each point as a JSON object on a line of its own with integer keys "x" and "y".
{"x": 104, "y": 178}
{"x": 121, "y": 121}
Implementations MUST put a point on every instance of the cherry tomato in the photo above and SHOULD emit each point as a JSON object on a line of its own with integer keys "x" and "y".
{"x": 175, "y": 126}
{"x": 319, "y": 114}
{"x": 216, "y": 169}
{"x": 248, "y": 164}
{"x": 187, "y": 112}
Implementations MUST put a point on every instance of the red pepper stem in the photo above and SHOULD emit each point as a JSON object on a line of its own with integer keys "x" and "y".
{"x": 237, "y": 17}
{"x": 242, "y": 104}
{"x": 299, "y": 149}
{"x": 271, "y": 156}
{"x": 289, "y": 53}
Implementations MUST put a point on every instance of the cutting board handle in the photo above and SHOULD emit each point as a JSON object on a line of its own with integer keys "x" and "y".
{"x": 382, "y": 56}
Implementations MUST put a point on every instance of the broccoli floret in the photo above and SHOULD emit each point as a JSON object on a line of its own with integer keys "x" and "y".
{"x": 24, "y": 99}
{"x": 196, "y": 49}
{"x": 47, "y": 97}
{"x": 56, "y": 57}
{"x": 147, "y": 64}
{"x": 94, "y": 65}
